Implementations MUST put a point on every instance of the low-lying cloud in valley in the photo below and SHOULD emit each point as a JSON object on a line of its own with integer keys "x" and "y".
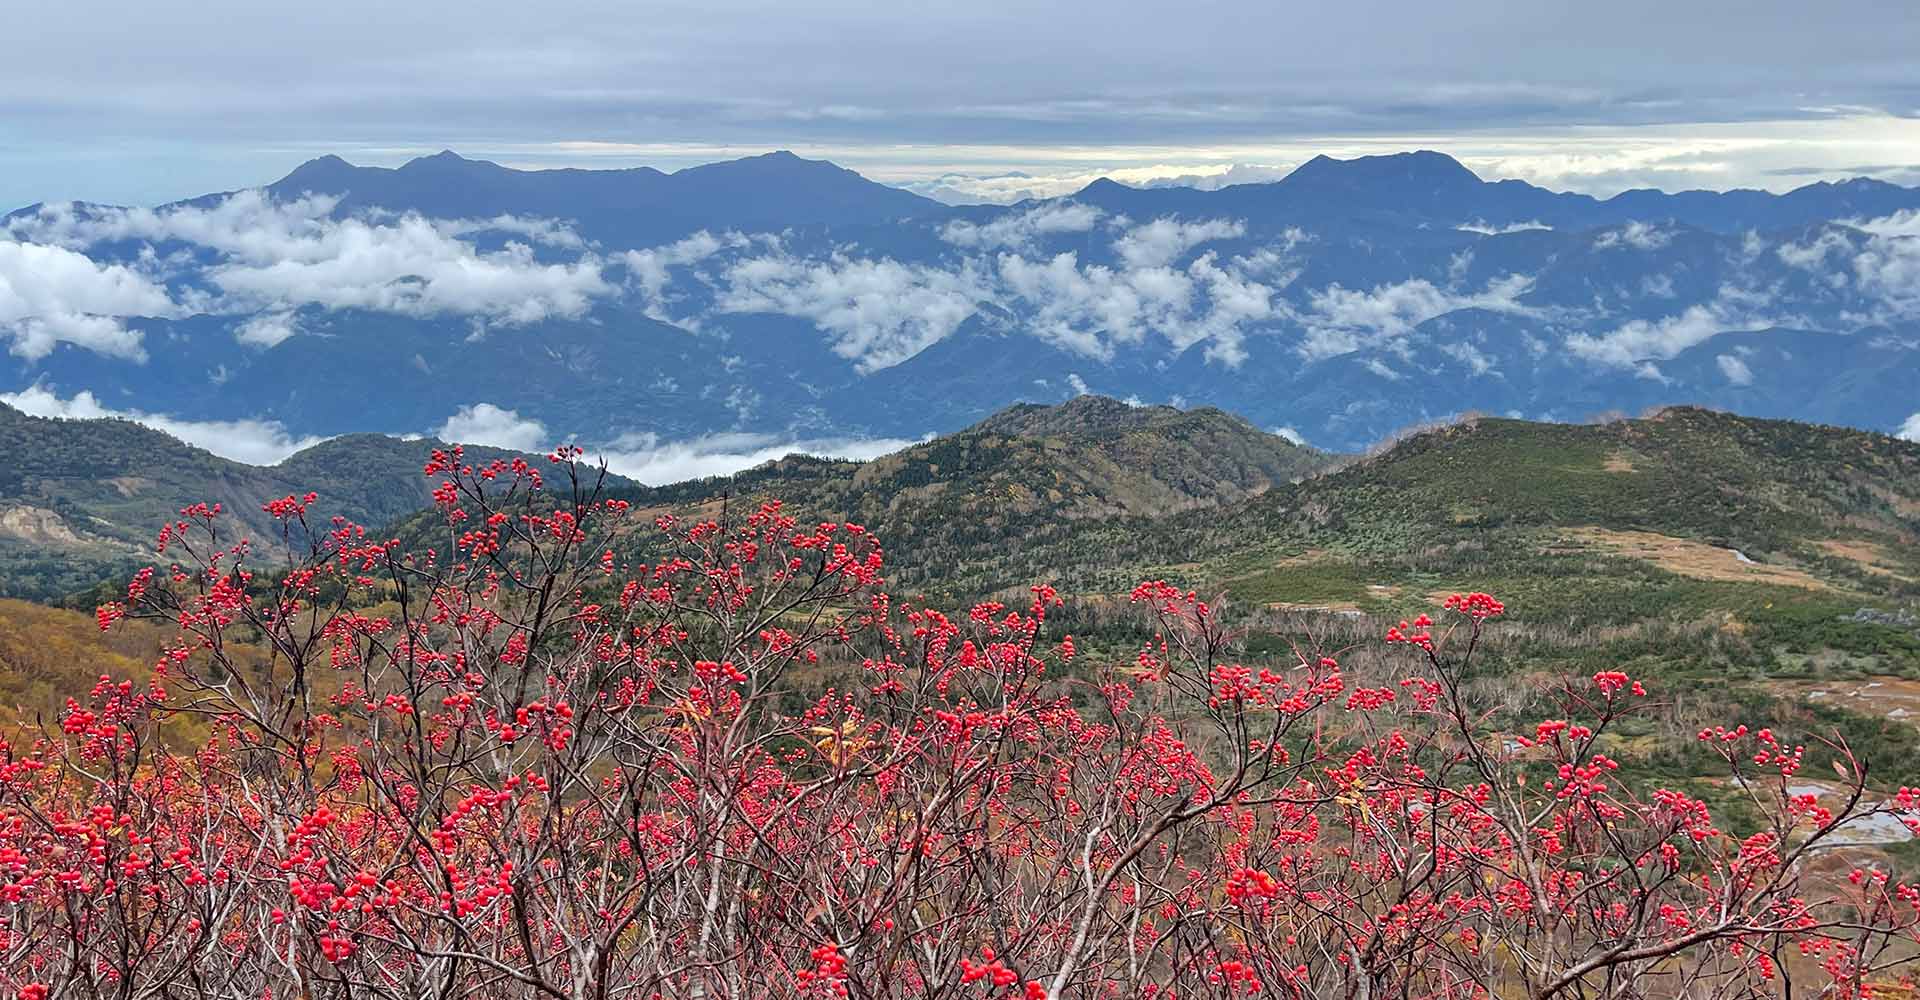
{"x": 645, "y": 457}
{"x": 254, "y": 442}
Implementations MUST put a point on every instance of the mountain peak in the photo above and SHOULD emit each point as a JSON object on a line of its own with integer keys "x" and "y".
{"x": 322, "y": 173}
{"x": 1422, "y": 166}
{"x": 444, "y": 159}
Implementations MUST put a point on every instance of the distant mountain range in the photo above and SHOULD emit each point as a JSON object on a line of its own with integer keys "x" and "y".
{"x": 620, "y": 208}
{"x": 777, "y": 299}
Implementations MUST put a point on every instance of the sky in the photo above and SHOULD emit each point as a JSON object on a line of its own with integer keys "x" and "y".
{"x": 138, "y": 103}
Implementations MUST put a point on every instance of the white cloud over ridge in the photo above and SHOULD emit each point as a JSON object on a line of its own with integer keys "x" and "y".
{"x": 254, "y": 442}
{"x": 1126, "y": 282}
{"x": 1341, "y": 320}
{"x": 651, "y": 270}
{"x": 646, "y": 459}
{"x": 1636, "y": 341}
{"x": 1485, "y": 228}
{"x": 267, "y": 329}
{"x": 879, "y": 312}
{"x": 1021, "y": 231}
{"x": 495, "y": 427}
{"x": 1909, "y": 431}
{"x": 51, "y": 294}
{"x": 1634, "y": 235}
{"x": 273, "y": 255}
{"x": 1162, "y": 241}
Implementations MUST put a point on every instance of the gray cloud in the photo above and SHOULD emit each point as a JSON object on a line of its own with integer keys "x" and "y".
{"x": 192, "y": 93}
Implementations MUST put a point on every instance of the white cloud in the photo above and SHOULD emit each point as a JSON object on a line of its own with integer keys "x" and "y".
{"x": 1163, "y": 241}
{"x": 1902, "y": 223}
{"x": 1468, "y": 354}
{"x": 495, "y": 427}
{"x": 1340, "y": 320}
{"x": 279, "y": 255}
{"x": 267, "y": 329}
{"x": 1215, "y": 178}
{"x": 1291, "y": 435}
{"x": 1233, "y": 302}
{"x": 651, "y": 269}
{"x": 1812, "y": 255}
{"x": 1637, "y": 340}
{"x": 542, "y": 232}
{"x": 1635, "y": 235}
{"x": 1087, "y": 309}
{"x": 1888, "y": 268}
{"x": 412, "y": 269}
{"x": 880, "y": 312}
{"x": 1021, "y": 230}
{"x": 255, "y": 442}
{"x": 1485, "y": 228}
{"x": 646, "y": 459}
{"x": 1909, "y": 431}
{"x": 50, "y": 295}
{"x": 1005, "y": 188}
{"x": 1734, "y": 369}
{"x": 1090, "y": 308}
{"x": 1384, "y": 370}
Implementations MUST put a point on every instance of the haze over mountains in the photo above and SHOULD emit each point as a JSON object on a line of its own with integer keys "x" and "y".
{"x": 748, "y": 305}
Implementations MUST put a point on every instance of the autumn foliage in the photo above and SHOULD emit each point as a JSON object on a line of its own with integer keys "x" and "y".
{"x": 557, "y": 753}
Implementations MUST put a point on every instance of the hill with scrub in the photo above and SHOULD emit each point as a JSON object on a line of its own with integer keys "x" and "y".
{"x": 82, "y": 499}
{"x": 1759, "y": 565}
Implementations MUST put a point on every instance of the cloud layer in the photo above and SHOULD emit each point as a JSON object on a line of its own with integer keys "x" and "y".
{"x": 251, "y": 253}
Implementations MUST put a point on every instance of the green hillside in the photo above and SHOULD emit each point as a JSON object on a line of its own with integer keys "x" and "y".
{"x": 968, "y": 512}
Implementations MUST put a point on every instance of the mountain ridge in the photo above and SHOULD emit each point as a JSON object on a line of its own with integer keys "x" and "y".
{"x": 1346, "y": 301}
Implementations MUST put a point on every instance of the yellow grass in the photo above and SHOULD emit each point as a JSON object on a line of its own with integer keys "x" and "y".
{"x": 1690, "y": 558}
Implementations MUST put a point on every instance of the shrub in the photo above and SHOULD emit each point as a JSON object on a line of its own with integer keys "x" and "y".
{"x": 521, "y": 764}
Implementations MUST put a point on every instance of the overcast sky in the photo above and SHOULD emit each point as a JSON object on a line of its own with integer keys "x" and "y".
{"x": 138, "y": 102}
